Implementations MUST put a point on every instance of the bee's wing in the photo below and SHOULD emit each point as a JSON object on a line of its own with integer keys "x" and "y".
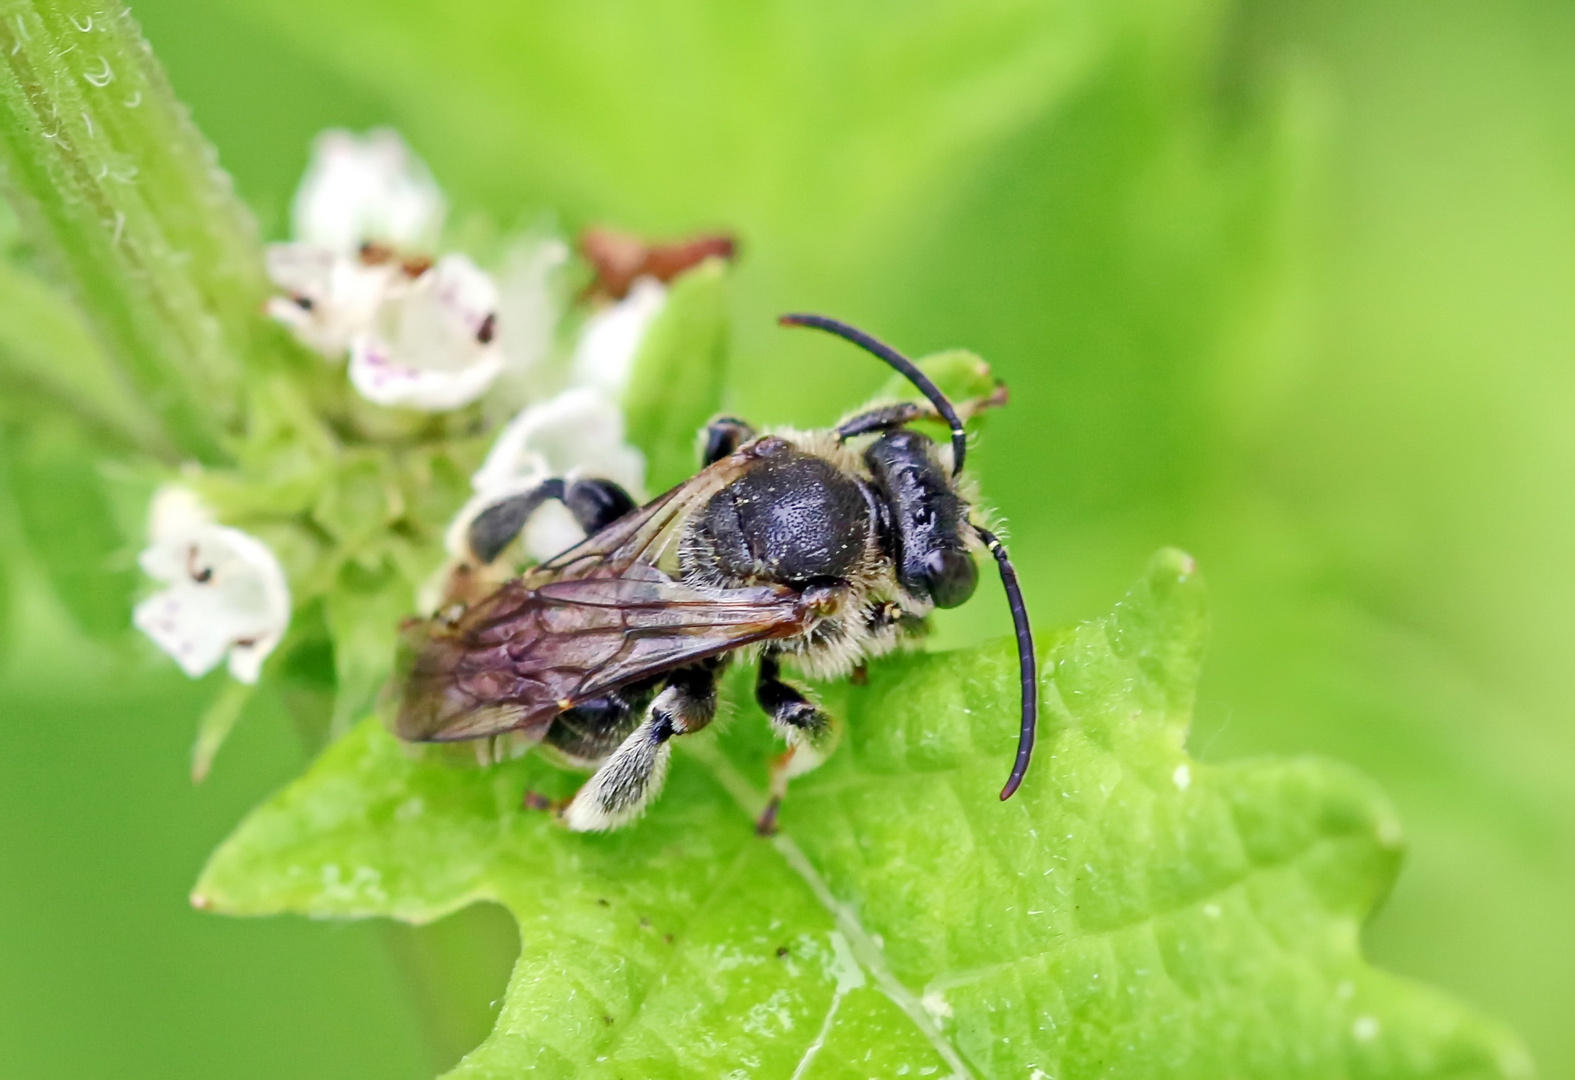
{"x": 595, "y": 618}
{"x": 645, "y": 535}
{"x": 532, "y": 653}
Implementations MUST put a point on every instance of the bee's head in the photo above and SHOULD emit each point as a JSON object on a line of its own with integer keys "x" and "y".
{"x": 927, "y": 521}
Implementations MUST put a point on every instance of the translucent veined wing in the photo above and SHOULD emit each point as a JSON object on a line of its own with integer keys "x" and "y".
{"x": 598, "y": 617}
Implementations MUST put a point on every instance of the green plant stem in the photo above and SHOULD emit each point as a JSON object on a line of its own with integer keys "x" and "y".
{"x": 124, "y": 197}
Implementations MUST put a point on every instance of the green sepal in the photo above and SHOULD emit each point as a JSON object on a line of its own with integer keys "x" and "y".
{"x": 360, "y": 498}
{"x": 363, "y": 612}
{"x": 217, "y": 721}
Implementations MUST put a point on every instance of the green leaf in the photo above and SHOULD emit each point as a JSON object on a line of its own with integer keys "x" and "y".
{"x": 676, "y": 383}
{"x": 124, "y": 197}
{"x": 1131, "y": 912}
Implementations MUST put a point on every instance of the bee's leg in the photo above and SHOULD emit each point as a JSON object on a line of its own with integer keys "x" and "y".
{"x": 723, "y": 435}
{"x": 882, "y": 418}
{"x": 811, "y": 735}
{"x": 886, "y": 417}
{"x": 632, "y": 776}
{"x": 495, "y": 528}
{"x": 596, "y": 504}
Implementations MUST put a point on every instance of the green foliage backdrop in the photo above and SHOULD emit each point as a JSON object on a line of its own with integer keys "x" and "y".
{"x": 1284, "y": 283}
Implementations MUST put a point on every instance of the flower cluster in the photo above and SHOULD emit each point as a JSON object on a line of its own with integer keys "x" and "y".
{"x": 365, "y": 283}
{"x": 362, "y": 278}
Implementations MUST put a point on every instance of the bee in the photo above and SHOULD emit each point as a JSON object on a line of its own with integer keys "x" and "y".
{"x": 815, "y": 550}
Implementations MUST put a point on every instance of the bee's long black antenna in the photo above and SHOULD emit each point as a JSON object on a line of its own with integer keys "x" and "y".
{"x": 1028, "y": 667}
{"x": 908, "y": 368}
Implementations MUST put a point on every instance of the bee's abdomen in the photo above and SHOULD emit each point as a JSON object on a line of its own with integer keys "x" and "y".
{"x": 793, "y": 519}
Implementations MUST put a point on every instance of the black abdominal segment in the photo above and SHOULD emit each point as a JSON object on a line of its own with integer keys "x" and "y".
{"x": 593, "y": 730}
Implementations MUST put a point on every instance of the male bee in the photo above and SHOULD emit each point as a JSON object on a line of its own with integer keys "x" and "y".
{"x": 817, "y": 549}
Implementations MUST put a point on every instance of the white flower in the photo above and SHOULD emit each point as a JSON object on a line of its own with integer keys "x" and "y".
{"x": 225, "y": 591}
{"x": 611, "y": 338}
{"x": 362, "y": 196}
{"x": 368, "y": 188}
{"x": 329, "y": 297}
{"x": 579, "y": 433}
{"x": 528, "y": 307}
{"x": 431, "y": 343}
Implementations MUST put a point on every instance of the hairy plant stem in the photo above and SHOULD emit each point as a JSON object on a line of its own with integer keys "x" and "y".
{"x": 125, "y": 200}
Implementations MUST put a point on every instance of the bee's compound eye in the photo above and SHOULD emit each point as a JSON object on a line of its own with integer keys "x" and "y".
{"x": 951, "y": 576}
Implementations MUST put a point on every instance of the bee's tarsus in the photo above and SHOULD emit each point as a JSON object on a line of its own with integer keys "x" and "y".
{"x": 766, "y": 823}
{"x": 535, "y": 800}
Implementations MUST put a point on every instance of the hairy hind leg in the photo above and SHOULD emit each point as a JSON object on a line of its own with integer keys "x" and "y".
{"x": 633, "y": 774}
{"x": 810, "y": 733}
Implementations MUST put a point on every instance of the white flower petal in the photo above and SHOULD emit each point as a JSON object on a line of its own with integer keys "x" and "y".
{"x": 367, "y": 188}
{"x": 580, "y": 432}
{"x": 551, "y": 530}
{"x": 425, "y": 348}
{"x": 330, "y": 297}
{"x": 225, "y": 593}
{"x": 611, "y": 338}
{"x": 528, "y": 306}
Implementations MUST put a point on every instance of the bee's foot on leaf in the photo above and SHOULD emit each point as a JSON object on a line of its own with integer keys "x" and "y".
{"x": 535, "y": 800}
{"x": 766, "y": 825}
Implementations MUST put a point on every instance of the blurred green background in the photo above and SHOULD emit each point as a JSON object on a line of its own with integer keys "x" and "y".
{"x": 1287, "y": 284}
